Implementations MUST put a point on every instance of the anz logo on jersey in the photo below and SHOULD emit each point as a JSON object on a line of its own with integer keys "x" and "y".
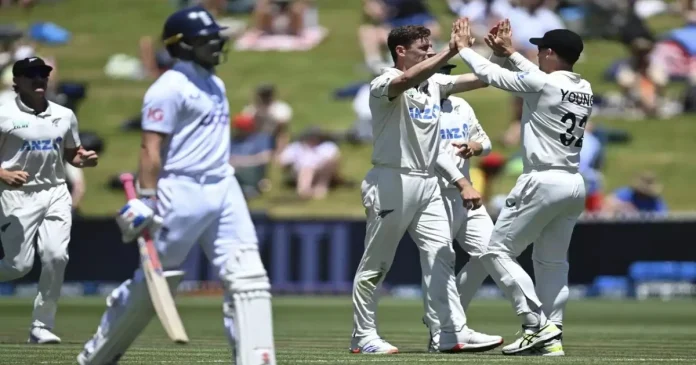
{"x": 455, "y": 133}
{"x": 425, "y": 114}
{"x": 41, "y": 145}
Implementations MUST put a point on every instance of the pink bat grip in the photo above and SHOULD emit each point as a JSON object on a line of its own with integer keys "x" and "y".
{"x": 128, "y": 186}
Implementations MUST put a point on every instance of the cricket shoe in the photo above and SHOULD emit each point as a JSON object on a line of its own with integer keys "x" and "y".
{"x": 42, "y": 336}
{"x": 549, "y": 348}
{"x": 533, "y": 337}
{"x": 375, "y": 346}
{"x": 82, "y": 359}
{"x": 465, "y": 340}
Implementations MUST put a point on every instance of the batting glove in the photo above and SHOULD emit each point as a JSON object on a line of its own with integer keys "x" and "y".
{"x": 133, "y": 218}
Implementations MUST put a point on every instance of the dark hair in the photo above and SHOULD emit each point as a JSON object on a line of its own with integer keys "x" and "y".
{"x": 405, "y": 36}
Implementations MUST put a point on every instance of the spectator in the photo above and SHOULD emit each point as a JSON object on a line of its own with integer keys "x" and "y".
{"x": 281, "y": 16}
{"x": 155, "y": 63}
{"x": 642, "y": 82}
{"x": 380, "y": 16}
{"x": 21, "y": 3}
{"x": 271, "y": 115}
{"x": 484, "y": 175}
{"x": 532, "y": 18}
{"x": 483, "y": 14}
{"x": 591, "y": 157}
{"x": 312, "y": 164}
{"x": 7, "y": 93}
{"x": 643, "y": 196}
{"x": 250, "y": 154}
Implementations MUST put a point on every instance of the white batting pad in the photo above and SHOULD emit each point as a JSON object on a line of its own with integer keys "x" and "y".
{"x": 129, "y": 310}
{"x": 250, "y": 310}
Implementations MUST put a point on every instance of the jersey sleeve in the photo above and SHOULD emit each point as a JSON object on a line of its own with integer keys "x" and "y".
{"x": 520, "y": 63}
{"x": 379, "y": 87}
{"x": 446, "y": 167}
{"x": 72, "y": 138}
{"x": 160, "y": 109}
{"x": 445, "y": 83}
{"x": 477, "y": 133}
{"x": 517, "y": 82}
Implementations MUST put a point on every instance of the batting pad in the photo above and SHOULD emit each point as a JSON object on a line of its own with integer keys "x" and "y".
{"x": 129, "y": 310}
{"x": 250, "y": 310}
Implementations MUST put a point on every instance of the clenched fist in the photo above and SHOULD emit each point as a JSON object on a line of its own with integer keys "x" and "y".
{"x": 87, "y": 158}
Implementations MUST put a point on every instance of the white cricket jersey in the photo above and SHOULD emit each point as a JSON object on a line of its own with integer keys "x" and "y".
{"x": 189, "y": 104}
{"x": 556, "y": 108}
{"x": 405, "y": 129}
{"x": 458, "y": 123}
{"x": 35, "y": 143}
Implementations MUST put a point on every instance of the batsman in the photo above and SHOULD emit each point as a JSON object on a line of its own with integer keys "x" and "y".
{"x": 188, "y": 190}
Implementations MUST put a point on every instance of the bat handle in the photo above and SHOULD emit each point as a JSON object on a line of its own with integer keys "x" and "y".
{"x": 128, "y": 185}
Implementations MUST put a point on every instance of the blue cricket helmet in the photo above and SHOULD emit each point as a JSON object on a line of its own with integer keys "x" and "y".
{"x": 193, "y": 34}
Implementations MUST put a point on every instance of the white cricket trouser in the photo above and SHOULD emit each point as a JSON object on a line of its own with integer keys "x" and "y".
{"x": 542, "y": 208}
{"x": 40, "y": 215}
{"x": 208, "y": 210}
{"x": 472, "y": 230}
{"x": 396, "y": 203}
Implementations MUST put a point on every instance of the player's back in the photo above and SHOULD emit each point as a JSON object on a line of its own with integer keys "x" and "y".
{"x": 189, "y": 104}
{"x": 553, "y": 121}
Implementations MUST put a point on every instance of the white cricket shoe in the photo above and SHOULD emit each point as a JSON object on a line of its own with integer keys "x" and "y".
{"x": 465, "y": 340}
{"x": 533, "y": 337}
{"x": 549, "y": 348}
{"x": 42, "y": 336}
{"x": 374, "y": 346}
{"x": 82, "y": 359}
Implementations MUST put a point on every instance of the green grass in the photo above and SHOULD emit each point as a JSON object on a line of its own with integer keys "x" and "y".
{"x": 316, "y": 330}
{"x": 306, "y": 80}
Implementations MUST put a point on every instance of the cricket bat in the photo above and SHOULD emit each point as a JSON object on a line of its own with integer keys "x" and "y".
{"x": 157, "y": 285}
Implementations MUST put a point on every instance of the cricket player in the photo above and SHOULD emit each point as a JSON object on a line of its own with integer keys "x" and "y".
{"x": 36, "y": 137}
{"x": 549, "y": 196}
{"x": 470, "y": 227}
{"x": 401, "y": 193}
{"x": 186, "y": 179}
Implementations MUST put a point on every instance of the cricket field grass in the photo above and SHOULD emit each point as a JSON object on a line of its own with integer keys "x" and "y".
{"x": 316, "y": 330}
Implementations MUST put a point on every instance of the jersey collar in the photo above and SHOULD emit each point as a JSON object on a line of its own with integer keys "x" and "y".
{"x": 22, "y": 107}
{"x": 571, "y": 75}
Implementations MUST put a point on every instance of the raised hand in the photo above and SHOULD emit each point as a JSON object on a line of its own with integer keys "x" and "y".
{"x": 499, "y": 39}
{"x": 461, "y": 30}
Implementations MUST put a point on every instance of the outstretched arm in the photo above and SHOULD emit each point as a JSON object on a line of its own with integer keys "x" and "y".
{"x": 466, "y": 82}
{"x": 492, "y": 74}
{"x": 415, "y": 75}
{"x": 499, "y": 39}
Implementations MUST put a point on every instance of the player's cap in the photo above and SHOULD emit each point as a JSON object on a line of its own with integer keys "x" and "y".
{"x": 446, "y": 69}
{"x": 567, "y": 44}
{"x": 29, "y": 66}
{"x": 188, "y": 23}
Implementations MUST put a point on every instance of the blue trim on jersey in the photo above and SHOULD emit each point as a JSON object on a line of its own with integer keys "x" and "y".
{"x": 205, "y": 84}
